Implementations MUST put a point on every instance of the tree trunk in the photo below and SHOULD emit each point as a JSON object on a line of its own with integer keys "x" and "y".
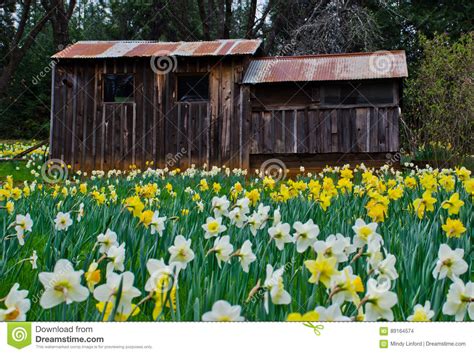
{"x": 251, "y": 19}
{"x": 228, "y": 19}
{"x": 204, "y": 20}
{"x": 16, "y": 52}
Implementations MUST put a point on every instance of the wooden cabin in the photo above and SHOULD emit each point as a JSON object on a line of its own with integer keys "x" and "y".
{"x": 118, "y": 104}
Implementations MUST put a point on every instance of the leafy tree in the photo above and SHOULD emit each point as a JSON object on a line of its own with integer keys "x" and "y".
{"x": 440, "y": 95}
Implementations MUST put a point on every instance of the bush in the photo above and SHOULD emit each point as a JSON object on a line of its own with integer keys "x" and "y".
{"x": 439, "y": 97}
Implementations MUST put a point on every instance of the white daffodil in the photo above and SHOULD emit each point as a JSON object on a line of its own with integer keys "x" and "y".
{"x": 336, "y": 246}
{"x": 223, "y": 249}
{"x": 200, "y": 206}
{"x": 108, "y": 292}
{"x": 246, "y": 256}
{"x": 421, "y": 313}
{"x": 243, "y": 204}
{"x": 237, "y": 217}
{"x": 450, "y": 263}
{"x": 387, "y": 267}
{"x": 262, "y": 212}
{"x": 181, "y": 251}
{"x": 17, "y": 305}
{"x": 34, "y": 260}
{"x": 23, "y": 223}
{"x": 157, "y": 224}
{"x": 116, "y": 256}
{"x": 460, "y": 300}
{"x": 213, "y": 227}
{"x": 107, "y": 240}
{"x": 374, "y": 254}
{"x": 80, "y": 212}
{"x": 220, "y": 206}
{"x": 379, "y": 301}
{"x": 276, "y": 216}
{"x": 63, "y": 221}
{"x": 222, "y": 311}
{"x": 365, "y": 233}
{"x": 162, "y": 277}
{"x": 331, "y": 314}
{"x": 275, "y": 287}
{"x": 62, "y": 285}
{"x": 305, "y": 234}
{"x": 255, "y": 222}
{"x": 281, "y": 234}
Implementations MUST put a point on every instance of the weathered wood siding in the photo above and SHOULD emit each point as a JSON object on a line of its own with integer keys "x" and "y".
{"x": 320, "y": 131}
{"x": 90, "y": 134}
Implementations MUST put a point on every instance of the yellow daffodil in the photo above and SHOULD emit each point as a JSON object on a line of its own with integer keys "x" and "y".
{"x": 322, "y": 269}
{"x": 453, "y": 204}
{"x": 311, "y": 316}
{"x": 453, "y": 228}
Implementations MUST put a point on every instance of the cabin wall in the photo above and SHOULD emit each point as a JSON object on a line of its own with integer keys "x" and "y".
{"x": 89, "y": 134}
{"x": 293, "y": 126}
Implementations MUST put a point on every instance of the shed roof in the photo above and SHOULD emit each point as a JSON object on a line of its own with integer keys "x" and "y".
{"x": 117, "y": 49}
{"x": 327, "y": 67}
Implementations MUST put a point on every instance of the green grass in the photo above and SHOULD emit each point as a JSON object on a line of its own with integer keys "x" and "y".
{"x": 17, "y": 169}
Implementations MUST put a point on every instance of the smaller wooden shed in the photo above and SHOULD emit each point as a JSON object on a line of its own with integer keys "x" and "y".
{"x": 117, "y": 104}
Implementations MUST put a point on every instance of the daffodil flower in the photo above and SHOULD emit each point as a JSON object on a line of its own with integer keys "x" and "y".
{"x": 108, "y": 292}
{"x": 280, "y": 233}
{"x": 222, "y": 311}
{"x": 116, "y": 256}
{"x": 245, "y": 255}
{"x": 421, "y": 313}
{"x": 222, "y": 249}
{"x": 62, "y": 285}
{"x": 365, "y": 233}
{"x": 181, "y": 251}
{"x": 220, "y": 206}
{"x": 460, "y": 300}
{"x": 305, "y": 235}
{"x": 63, "y": 221}
{"x": 275, "y": 288}
{"x": 213, "y": 227}
{"x": 450, "y": 263}
{"x": 379, "y": 301}
{"x": 17, "y": 305}
{"x": 22, "y": 224}
{"x": 331, "y": 314}
{"x": 107, "y": 240}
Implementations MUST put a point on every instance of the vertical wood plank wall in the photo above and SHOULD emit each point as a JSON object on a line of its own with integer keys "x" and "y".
{"x": 89, "y": 134}
{"x": 319, "y": 131}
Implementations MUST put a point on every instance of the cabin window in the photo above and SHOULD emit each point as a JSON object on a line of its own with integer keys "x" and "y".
{"x": 357, "y": 93}
{"x": 193, "y": 88}
{"x": 118, "y": 88}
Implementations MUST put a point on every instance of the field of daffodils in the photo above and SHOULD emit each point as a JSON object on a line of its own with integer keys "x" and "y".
{"x": 223, "y": 245}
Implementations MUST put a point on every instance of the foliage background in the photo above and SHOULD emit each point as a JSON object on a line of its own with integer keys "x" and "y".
{"x": 287, "y": 28}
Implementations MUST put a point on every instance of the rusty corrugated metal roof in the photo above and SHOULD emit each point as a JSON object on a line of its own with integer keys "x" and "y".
{"x": 329, "y": 67}
{"x": 116, "y": 49}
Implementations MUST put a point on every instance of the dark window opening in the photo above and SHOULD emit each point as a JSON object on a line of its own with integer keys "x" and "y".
{"x": 357, "y": 93}
{"x": 118, "y": 88}
{"x": 193, "y": 87}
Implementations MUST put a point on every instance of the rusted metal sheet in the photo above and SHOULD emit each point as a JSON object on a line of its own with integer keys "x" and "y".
{"x": 116, "y": 49}
{"x": 331, "y": 67}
